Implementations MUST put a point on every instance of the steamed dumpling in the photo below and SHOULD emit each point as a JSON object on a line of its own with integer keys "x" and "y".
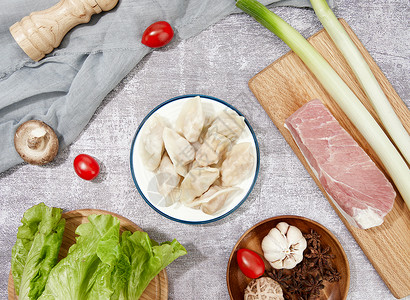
{"x": 167, "y": 177}
{"x": 152, "y": 145}
{"x": 191, "y": 119}
{"x": 229, "y": 124}
{"x": 173, "y": 197}
{"x": 214, "y": 199}
{"x": 196, "y": 182}
{"x": 209, "y": 114}
{"x": 180, "y": 151}
{"x": 238, "y": 164}
{"x": 211, "y": 151}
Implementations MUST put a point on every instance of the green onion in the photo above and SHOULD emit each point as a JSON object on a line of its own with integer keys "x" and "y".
{"x": 339, "y": 91}
{"x": 365, "y": 77}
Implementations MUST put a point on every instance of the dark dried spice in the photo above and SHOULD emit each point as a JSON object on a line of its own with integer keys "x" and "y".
{"x": 304, "y": 296}
{"x": 312, "y": 239}
{"x": 315, "y": 293}
{"x": 313, "y": 284}
{"x": 306, "y": 280}
{"x": 295, "y": 287}
{"x": 301, "y": 270}
{"x": 321, "y": 258}
{"x": 308, "y": 296}
{"x": 332, "y": 275}
{"x": 287, "y": 296}
{"x": 298, "y": 276}
{"x": 280, "y": 277}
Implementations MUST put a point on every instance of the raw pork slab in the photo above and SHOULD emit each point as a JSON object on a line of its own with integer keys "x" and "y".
{"x": 351, "y": 179}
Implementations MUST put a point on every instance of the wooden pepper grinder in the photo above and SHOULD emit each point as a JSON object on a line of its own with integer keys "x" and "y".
{"x": 42, "y": 31}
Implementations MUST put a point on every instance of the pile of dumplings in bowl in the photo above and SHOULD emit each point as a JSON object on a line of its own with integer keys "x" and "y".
{"x": 199, "y": 156}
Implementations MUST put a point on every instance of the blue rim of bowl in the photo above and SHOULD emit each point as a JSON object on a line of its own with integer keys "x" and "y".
{"x": 181, "y": 220}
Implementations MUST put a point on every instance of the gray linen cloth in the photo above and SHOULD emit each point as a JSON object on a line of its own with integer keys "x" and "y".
{"x": 65, "y": 88}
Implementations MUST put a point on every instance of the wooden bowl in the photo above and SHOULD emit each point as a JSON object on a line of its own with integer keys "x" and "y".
{"x": 157, "y": 288}
{"x": 252, "y": 240}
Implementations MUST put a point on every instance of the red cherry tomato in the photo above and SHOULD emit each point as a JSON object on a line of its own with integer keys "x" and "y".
{"x": 157, "y": 34}
{"x": 86, "y": 167}
{"x": 250, "y": 263}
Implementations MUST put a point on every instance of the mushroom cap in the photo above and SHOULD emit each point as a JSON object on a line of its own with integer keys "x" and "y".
{"x": 263, "y": 288}
{"x": 36, "y": 142}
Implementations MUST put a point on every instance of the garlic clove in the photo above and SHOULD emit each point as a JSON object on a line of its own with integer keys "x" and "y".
{"x": 294, "y": 235}
{"x": 278, "y": 264}
{"x": 274, "y": 251}
{"x": 275, "y": 256}
{"x": 298, "y": 257}
{"x": 289, "y": 263}
{"x": 283, "y": 227}
{"x": 281, "y": 242}
{"x": 300, "y": 246}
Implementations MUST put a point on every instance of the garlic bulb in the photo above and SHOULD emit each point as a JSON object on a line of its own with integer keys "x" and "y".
{"x": 283, "y": 246}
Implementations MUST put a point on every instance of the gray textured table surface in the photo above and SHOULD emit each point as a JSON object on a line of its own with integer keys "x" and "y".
{"x": 218, "y": 62}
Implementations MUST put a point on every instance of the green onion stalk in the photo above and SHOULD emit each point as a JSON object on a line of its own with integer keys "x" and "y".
{"x": 339, "y": 91}
{"x": 362, "y": 71}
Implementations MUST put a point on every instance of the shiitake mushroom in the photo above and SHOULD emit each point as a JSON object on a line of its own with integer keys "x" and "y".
{"x": 36, "y": 142}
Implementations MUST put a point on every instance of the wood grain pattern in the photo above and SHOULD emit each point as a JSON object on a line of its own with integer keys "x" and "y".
{"x": 158, "y": 287}
{"x": 252, "y": 240}
{"x": 286, "y": 85}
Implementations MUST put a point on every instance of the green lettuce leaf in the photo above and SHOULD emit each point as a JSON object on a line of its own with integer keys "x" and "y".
{"x": 101, "y": 265}
{"x": 120, "y": 276}
{"x": 36, "y": 249}
{"x": 86, "y": 272}
{"x": 147, "y": 259}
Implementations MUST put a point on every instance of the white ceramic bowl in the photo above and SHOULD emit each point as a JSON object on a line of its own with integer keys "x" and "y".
{"x": 145, "y": 180}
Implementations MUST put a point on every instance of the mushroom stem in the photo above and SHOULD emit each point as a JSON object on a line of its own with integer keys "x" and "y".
{"x": 38, "y": 142}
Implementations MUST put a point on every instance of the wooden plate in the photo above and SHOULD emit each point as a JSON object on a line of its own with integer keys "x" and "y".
{"x": 252, "y": 240}
{"x": 158, "y": 287}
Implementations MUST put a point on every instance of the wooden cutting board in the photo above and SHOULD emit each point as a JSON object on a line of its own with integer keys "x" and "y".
{"x": 157, "y": 288}
{"x": 286, "y": 85}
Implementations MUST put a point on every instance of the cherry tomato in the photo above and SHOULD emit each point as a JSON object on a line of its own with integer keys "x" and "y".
{"x": 86, "y": 167}
{"x": 250, "y": 263}
{"x": 157, "y": 34}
